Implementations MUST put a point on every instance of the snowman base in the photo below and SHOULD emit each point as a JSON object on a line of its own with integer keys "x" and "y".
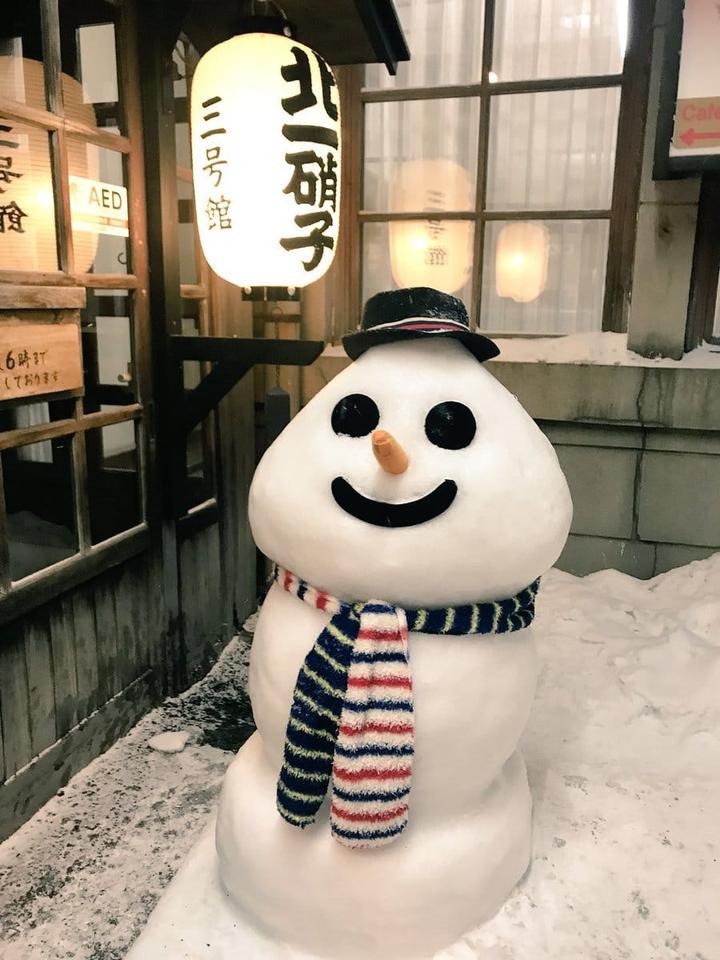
{"x": 195, "y": 920}
{"x": 196, "y": 917}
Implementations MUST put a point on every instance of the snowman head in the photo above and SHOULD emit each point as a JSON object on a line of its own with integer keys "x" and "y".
{"x": 413, "y": 477}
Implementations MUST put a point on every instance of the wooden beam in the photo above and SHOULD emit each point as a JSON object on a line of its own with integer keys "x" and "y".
{"x": 62, "y": 428}
{"x": 23, "y": 113}
{"x": 21, "y": 297}
{"x": 487, "y": 88}
{"x": 210, "y": 391}
{"x": 233, "y": 357}
{"x": 250, "y": 350}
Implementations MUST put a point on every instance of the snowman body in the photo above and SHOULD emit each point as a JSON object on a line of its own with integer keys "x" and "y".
{"x": 467, "y": 842}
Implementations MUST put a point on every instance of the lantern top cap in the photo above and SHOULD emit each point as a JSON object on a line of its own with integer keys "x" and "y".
{"x": 416, "y": 313}
{"x": 264, "y": 24}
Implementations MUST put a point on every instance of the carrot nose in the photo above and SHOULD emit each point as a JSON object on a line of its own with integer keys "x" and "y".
{"x": 388, "y": 452}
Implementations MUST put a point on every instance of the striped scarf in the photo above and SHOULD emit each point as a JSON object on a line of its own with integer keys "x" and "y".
{"x": 351, "y": 719}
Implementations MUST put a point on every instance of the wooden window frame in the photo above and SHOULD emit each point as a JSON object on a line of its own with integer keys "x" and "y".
{"x": 621, "y": 215}
{"x": 90, "y": 559}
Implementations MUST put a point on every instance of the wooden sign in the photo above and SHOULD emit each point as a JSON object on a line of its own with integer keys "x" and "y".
{"x": 39, "y": 358}
{"x": 689, "y": 119}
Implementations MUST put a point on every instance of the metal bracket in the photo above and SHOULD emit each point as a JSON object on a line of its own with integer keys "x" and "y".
{"x": 232, "y": 357}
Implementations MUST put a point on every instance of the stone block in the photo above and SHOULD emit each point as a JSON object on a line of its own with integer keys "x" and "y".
{"x": 661, "y": 278}
{"x": 602, "y": 484}
{"x": 583, "y": 555}
{"x": 679, "y": 499}
{"x": 671, "y": 555}
{"x": 685, "y": 441}
{"x": 592, "y": 435}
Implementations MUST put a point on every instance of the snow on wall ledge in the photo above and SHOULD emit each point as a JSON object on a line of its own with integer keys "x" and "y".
{"x": 601, "y": 348}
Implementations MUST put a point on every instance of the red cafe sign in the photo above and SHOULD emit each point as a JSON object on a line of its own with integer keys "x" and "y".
{"x": 697, "y": 123}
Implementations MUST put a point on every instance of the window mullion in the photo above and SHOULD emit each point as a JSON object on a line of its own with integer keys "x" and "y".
{"x": 80, "y": 485}
{"x": 481, "y": 170}
{"x": 4, "y": 544}
{"x": 58, "y": 143}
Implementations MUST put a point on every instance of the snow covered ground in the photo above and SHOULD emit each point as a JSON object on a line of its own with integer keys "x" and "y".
{"x": 623, "y": 750}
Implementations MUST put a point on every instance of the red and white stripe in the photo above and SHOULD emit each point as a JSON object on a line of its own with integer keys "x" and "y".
{"x": 372, "y": 766}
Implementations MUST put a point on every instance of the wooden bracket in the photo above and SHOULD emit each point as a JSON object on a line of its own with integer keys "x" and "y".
{"x": 232, "y": 357}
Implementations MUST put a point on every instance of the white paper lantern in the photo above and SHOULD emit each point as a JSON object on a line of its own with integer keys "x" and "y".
{"x": 521, "y": 261}
{"x": 265, "y": 129}
{"x": 27, "y": 210}
{"x": 435, "y": 252}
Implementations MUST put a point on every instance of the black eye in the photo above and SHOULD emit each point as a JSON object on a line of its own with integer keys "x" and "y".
{"x": 355, "y": 416}
{"x": 450, "y": 425}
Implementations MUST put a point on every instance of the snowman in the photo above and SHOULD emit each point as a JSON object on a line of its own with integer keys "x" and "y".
{"x": 382, "y": 808}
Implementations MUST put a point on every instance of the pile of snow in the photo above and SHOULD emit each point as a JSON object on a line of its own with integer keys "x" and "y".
{"x": 600, "y": 347}
{"x": 623, "y": 752}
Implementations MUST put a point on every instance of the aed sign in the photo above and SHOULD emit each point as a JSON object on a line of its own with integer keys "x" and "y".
{"x": 98, "y": 207}
{"x": 689, "y": 119}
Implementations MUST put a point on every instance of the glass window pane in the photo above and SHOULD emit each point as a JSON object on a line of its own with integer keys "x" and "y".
{"x": 33, "y": 414}
{"x": 39, "y": 504}
{"x": 99, "y": 207}
{"x": 200, "y": 478}
{"x": 186, "y": 233}
{"x": 421, "y": 155}
{"x": 200, "y": 474}
{"x": 550, "y": 279}
{"x": 21, "y": 72}
{"x": 113, "y": 480}
{"x": 418, "y": 253}
{"x": 27, "y": 207}
{"x": 552, "y": 151}
{"x": 88, "y": 36}
{"x": 445, "y": 41}
{"x": 107, "y": 339}
{"x": 558, "y": 38}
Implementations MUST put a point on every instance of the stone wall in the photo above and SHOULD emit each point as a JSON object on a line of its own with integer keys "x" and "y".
{"x": 645, "y": 500}
{"x": 640, "y": 447}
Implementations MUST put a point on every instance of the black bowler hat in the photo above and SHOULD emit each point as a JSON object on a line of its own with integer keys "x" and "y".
{"x": 414, "y": 314}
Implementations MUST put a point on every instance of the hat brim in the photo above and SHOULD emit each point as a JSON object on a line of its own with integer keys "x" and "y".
{"x": 481, "y": 347}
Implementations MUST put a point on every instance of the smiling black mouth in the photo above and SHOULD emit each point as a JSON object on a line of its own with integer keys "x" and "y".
{"x": 382, "y": 514}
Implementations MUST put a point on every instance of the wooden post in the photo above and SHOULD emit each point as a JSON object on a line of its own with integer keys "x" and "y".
{"x": 158, "y": 110}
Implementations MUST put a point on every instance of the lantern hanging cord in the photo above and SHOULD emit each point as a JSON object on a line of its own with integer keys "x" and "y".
{"x": 268, "y": 3}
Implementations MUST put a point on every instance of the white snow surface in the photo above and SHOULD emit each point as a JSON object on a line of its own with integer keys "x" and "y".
{"x": 595, "y": 347}
{"x": 598, "y": 347}
{"x": 171, "y": 741}
{"x": 623, "y": 751}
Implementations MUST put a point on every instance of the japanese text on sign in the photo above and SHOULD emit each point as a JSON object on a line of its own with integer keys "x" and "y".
{"x": 39, "y": 358}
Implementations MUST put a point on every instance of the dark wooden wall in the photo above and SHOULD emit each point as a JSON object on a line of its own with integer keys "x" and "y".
{"x": 77, "y": 672}
{"x": 75, "y": 675}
